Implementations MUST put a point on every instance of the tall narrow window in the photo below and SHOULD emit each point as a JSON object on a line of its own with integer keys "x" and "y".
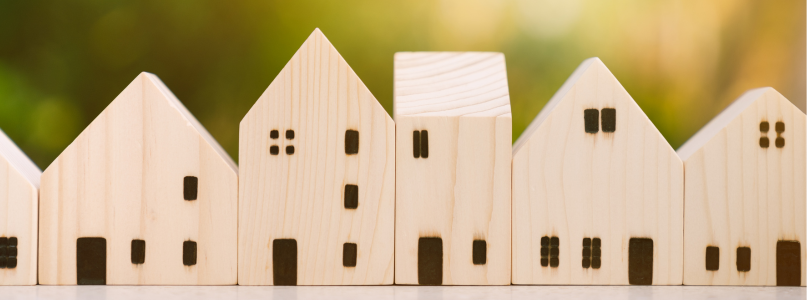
{"x": 424, "y": 144}
{"x": 351, "y": 142}
{"x": 349, "y": 253}
{"x": 189, "y": 253}
{"x": 608, "y": 120}
{"x": 480, "y": 252}
{"x": 712, "y": 258}
{"x": 591, "y": 118}
{"x": 191, "y": 185}
{"x": 138, "y": 251}
{"x": 416, "y": 143}
{"x": 743, "y": 259}
{"x": 351, "y": 196}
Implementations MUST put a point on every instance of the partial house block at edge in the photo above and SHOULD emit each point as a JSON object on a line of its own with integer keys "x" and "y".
{"x": 317, "y": 182}
{"x": 597, "y": 190}
{"x": 745, "y": 195}
{"x": 19, "y": 215}
{"x": 143, "y": 196}
{"x": 453, "y": 151}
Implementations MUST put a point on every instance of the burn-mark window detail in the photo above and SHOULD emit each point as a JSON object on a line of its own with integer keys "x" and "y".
{"x": 640, "y": 261}
{"x": 480, "y": 252}
{"x": 420, "y": 143}
{"x": 91, "y": 261}
{"x": 591, "y": 117}
{"x": 788, "y": 263}
{"x": 351, "y": 142}
{"x": 712, "y": 258}
{"x": 8, "y": 252}
{"x": 349, "y": 253}
{"x": 608, "y": 120}
{"x": 190, "y": 187}
{"x": 550, "y": 251}
{"x": 780, "y": 128}
{"x": 275, "y": 149}
{"x": 743, "y": 259}
{"x": 189, "y": 253}
{"x": 289, "y": 150}
{"x": 592, "y": 253}
{"x": 274, "y": 134}
{"x": 284, "y": 261}
{"x": 430, "y": 261}
{"x": 289, "y": 134}
{"x": 351, "y": 196}
{"x": 138, "y": 251}
{"x": 764, "y": 127}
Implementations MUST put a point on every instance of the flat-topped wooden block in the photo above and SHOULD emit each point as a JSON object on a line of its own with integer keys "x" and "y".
{"x": 745, "y": 195}
{"x": 453, "y": 150}
{"x": 317, "y": 177}
{"x": 19, "y": 215}
{"x": 597, "y": 190}
{"x": 144, "y": 195}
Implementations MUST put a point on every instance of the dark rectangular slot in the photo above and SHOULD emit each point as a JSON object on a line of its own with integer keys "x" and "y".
{"x": 788, "y": 261}
{"x": 349, "y": 253}
{"x": 712, "y": 258}
{"x": 12, "y": 262}
{"x": 191, "y": 185}
{"x": 591, "y": 117}
{"x": 416, "y": 143}
{"x": 351, "y": 142}
{"x": 430, "y": 261}
{"x": 743, "y": 259}
{"x": 138, "y": 251}
{"x": 480, "y": 252}
{"x": 424, "y": 144}
{"x": 189, "y": 253}
{"x": 91, "y": 261}
{"x": 284, "y": 261}
{"x": 3, "y": 252}
{"x": 351, "y": 196}
{"x": 640, "y": 261}
{"x": 608, "y": 120}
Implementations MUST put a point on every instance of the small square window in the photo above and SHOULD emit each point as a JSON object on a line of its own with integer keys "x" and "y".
{"x": 351, "y": 196}
{"x": 191, "y": 186}
{"x": 780, "y": 127}
{"x": 289, "y": 150}
{"x": 189, "y": 253}
{"x": 349, "y": 253}
{"x": 289, "y": 134}
{"x": 764, "y": 126}
{"x": 274, "y": 150}
{"x": 764, "y": 142}
{"x": 274, "y": 134}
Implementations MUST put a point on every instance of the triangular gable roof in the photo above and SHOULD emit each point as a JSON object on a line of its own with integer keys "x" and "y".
{"x": 17, "y": 159}
{"x": 451, "y": 84}
{"x": 731, "y": 112}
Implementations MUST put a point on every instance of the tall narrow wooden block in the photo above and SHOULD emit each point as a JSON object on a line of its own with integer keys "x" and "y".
{"x": 745, "y": 195}
{"x": 317, "y": 182}
{"x": 143, "y": 170}
{"x": 453, "y": 150}
{"x": 597, "y": 191}
{"x": 19, "y": 215}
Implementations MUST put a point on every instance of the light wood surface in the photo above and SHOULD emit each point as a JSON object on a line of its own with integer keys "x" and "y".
{"x": 19, "y": 202}
{"x": 572, "y": 184}
{"x": 461, "y": 191}
{"x": 740, "y": 194}
{"x": 301, "y": 195}
{"x": 122, "y": 179}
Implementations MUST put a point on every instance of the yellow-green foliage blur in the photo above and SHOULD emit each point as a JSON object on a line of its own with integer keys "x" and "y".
{"x": 63, "y": 62}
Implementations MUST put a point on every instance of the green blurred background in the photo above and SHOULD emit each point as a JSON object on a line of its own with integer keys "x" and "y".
{"x": 63, "y": 62}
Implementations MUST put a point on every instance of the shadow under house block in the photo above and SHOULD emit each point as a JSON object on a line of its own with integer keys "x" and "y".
{"x": 453, "y": 150}
{"x": 19, "y": 215}
{"x": 144, "y": 195}
{"x": 317, "y": 182}
{"x": 745, "y": 195}
{"x": 597, "y": 190}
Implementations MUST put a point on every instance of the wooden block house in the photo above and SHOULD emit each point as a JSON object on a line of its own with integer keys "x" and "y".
{"x": 745, "y": 195}
{"x": 19, "y": 215}
{"x": 597, "y": 190}
{"x": 317, "y": 182}
{"x": 144, "y": 195}
{"x": 453, "y": 150}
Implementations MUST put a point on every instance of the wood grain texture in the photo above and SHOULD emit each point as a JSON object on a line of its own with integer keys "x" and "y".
{"x": 461, "y": 191}
{"x": 740, "y": 194}
{"x": 573, "y": 184}
{"x": 300, "y": 196}
{"x": 122, "y": 179}
{"x": 19, "y": 209}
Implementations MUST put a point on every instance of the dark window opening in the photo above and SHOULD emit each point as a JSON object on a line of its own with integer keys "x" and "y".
{"x": 349, "y": 253}
{"x": 289, "y": 150}
{"x": 480, "y": 249}
{"x": 788, "y": 263}
{"x": 91, "y": 261}
{"x": 351, "y": 196}
{"x": 351, "y": 142}
{"x": 424, "y": 144}
{"x": 274, "y": 150}
{"x": 640, "y": 261}
{"x": 416, "y": 143}
{"x": 764, "y": 142}
{"x": 191, "y": 187}
{"x": 289, "y": 134}
{"x": 550, "y": 251}
{"x": 743, "y": 259}
{"x": 608, "y": 120}
{"x": 591, "y": 253}
{"x": 189, "y": 253}
{"x": 138, "y": 251}
{"x": 284, "y": 261}
{"x": 430, "y": 261}
{"x": 764, "y": 126}
{"x": 274, "y": 134}
{"x": 592, "y": 120}
{"x": 780, "y": 127}
{"x": 712, "y": 258}
{"x": 8, "y": 252}
{"x": 780, "y": 142}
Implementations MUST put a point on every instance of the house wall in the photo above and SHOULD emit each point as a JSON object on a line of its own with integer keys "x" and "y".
{"x": 19, "y": 218}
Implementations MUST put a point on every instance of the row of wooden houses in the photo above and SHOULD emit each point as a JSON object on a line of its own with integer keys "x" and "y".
{"x": 330, "y": 190}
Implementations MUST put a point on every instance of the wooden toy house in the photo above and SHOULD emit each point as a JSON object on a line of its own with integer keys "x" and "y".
{"x": 453, "y": 150}
{"x": 317, "y": 178}
{"x": 144, "y": 195}
{"x": 745, "y": 195}
{"x": 19, "y": 215}
{"x": 597, "y": 190}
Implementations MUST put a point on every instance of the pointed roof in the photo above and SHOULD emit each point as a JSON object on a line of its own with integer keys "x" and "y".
{"x": 731, "y": 112}
{"x": 19, "y": 161}
{"x": 451, "y": 84}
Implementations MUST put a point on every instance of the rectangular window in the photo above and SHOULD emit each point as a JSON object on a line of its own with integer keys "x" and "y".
{"x": 349, "y": 253}
{"x": 712, "y": 258}
{"x": 91, "y": 261}
{"x": 608, "y": 120}
{"x": 351, "y": 196}
{"x": 351, "y": 142}
{"x": 640, "y": 261}
{"x": 191, "y": 185}
{"x": 480, "y": 249}
{"x": 743, "y": 259}
{"x": 416, "y": 143}
{"x": 788, "y": 262}
{"x": 591, "y": 118}
{"x": 189, "y": 253}
{"x": 284, "y": 261}
{"x": 138, "y": 251}
{"x": 430, "y": 261}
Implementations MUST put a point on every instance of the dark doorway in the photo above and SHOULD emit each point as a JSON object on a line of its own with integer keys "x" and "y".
{"x": 788, "y": 263}
{"x": 430, "y": 261}
{"x": 91, "y": 261}
{"x": 284, "y": 261}
{"x": 640, "y": 261}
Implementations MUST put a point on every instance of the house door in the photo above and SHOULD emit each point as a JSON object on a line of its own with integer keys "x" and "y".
{"x": 788, "y": 263}
{"x": 640, "y": 261}
{"x": 91, "y": 261}
{"x": 284, "y": 261}
{"x": 430, "y": 261}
